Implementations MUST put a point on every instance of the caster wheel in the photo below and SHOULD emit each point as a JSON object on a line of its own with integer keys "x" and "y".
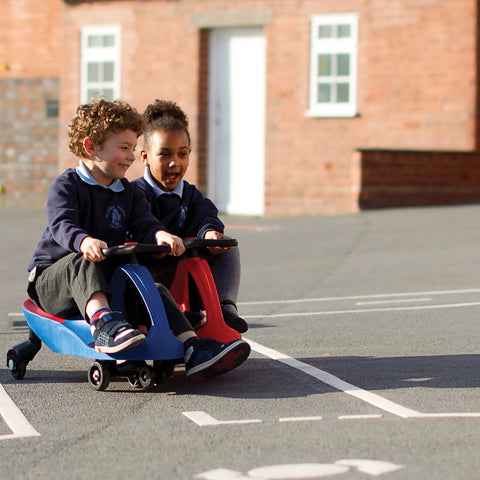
{"x": 134, "y": 380}
{"x": 163, "y": 370}
{"x": 16, "y": 366}
{"x": 145, "y": 377}
{"x": 142, "y": 378}
{"x": 99, "y": 376}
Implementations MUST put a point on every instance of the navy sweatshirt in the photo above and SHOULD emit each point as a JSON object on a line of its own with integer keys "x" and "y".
{"x": 76, "y": 210}
{"x": 190, "y": 216}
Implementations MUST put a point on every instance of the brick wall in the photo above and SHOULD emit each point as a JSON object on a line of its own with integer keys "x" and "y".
{"x": 414, "y": 178}
{"x": 30, "y": 44}
{"x": 29, "y": 139}
{"x": 417, "y": 85}
{"x": 30, "y": 40}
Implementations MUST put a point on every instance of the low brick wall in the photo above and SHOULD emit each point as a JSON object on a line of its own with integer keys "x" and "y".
{"x": 396, "y": 178}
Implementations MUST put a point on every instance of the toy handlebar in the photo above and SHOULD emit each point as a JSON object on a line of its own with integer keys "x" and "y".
{"x": 189, "y": 243}
{"x": 133, "y": 248}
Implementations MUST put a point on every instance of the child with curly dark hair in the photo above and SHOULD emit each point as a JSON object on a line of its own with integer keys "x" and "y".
{"x": 92, "y": 207}
{"x": 181, "y": 207}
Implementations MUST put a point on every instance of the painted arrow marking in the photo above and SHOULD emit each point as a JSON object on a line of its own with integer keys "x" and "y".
{"x": 299, "y": 471}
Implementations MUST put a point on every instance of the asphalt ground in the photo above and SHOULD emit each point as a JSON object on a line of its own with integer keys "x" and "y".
{"x": 365, "y": 357}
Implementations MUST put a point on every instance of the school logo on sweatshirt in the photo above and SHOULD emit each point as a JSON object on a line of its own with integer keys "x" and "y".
{"x": 183, "y": 215}
{"x": 115, "y": 217}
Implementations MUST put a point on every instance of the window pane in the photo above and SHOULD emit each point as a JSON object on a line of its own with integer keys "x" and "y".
{"x": 52, "y": 109}
{"x": 343, "y": 31}
{"x": 343, "y": 64}
{"x": 92, "y": 72}
{"x": 108, "y": 40}
{"x": 342, "y": 93}
{"x": 94, "y": 41}
{"x": 92, "y": 93}
{"x": 324, "y": 93}
{"x": 108, "y": 72}
{"x": 324, "y": 65}
{"x": 325, "y": 31}
{"x": 108, "y": 93}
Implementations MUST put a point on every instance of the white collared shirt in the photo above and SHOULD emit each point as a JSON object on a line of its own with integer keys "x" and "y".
{"x": 178, "y": 190}
{"x": 86, "y": 176}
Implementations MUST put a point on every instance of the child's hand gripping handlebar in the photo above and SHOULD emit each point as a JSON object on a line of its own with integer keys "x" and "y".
{"x": 191, "y": 244}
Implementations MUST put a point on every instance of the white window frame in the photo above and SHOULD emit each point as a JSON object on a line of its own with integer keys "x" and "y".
{"x": 100, "y": 54}
{"x": 333, "y": 46}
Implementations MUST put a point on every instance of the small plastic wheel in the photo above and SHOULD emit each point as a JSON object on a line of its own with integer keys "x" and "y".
{"x": 134, "y": 380}
{"x": 18, "y": 368}
{"x": 99, "y": 376}
{"x": 145, "y": 377}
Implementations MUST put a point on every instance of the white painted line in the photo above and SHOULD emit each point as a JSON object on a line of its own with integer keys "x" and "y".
{"x": 452, "y": 415}
{"x": 295, "y": 471}
{"x": 335, "y": 382}
{"x": 203, "y": 419}
{"x": 424, "y": 379}
{"x": 363, "y": 310}
{"x": 359, "y": 417}
{"x": 359, "y": 297}
{"x": 300, "y": 419}
{"x": 345, "y": 387}
{"x": 403, "y": 300}
{"x": 14, "y": 418}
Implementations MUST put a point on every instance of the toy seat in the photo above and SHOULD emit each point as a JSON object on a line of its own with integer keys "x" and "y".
{"x": 73, "y": 336}
{"x": 198, "y": 270}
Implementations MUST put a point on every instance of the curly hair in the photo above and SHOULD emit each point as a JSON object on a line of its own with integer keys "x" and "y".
{"x": 165, "y": 116}
{"x": 98, "y": 120}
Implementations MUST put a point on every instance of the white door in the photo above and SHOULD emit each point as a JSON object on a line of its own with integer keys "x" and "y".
{"x": 236, "y": 128}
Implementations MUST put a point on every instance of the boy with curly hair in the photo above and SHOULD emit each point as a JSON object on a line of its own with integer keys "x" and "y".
{"x": 92, "y": 207}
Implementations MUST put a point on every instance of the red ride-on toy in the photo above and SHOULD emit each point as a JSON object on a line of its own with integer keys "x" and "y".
{"x": 192, "y": 288}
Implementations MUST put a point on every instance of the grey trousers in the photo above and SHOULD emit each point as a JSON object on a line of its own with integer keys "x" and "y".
{"x": 64, "y": 288}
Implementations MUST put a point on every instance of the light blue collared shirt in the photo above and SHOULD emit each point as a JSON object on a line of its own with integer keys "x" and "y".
{"x": 178, "y": 190}
{"x": 86, "y": 176}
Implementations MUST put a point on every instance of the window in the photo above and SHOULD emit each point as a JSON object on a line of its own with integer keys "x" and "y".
{"x": 100, "y": 63}
{"x": 333, "y": 66}
{"x": 51, "y": 109}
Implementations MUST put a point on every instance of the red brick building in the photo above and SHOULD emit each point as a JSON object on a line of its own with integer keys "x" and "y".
{"x": 295, "y": 106}
{"x": 30, "y": 42}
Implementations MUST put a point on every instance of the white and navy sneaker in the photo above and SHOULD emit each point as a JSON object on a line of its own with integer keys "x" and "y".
{"x": 112, "y": 333}
{"x": 206, "y": 358}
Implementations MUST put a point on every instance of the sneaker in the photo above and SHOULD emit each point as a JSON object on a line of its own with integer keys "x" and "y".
{"x": 206, "y": 358}
{"x": 112, "y": 333}
{"x": 231, "y": 318}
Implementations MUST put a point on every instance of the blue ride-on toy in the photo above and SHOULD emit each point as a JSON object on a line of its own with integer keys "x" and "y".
{"x": 193, "y": 287}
